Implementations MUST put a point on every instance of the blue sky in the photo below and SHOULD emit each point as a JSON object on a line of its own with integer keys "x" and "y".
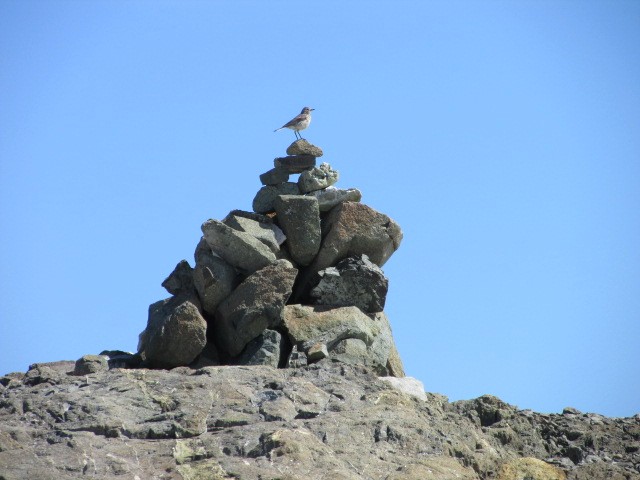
{"x": 503, "y": 136}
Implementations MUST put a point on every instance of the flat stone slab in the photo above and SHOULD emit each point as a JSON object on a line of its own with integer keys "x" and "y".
{"x": 240, "y": 249}
{"x": 274, "y": 176}
{"x": 267, "y": 232}
{"x": 295, "y": 163}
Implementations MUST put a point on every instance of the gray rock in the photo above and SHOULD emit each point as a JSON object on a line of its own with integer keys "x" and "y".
{"x": 213, "y": 278}
{"x": 295, "y": 163}
{"x": 318, "y": 178}
{"x": 331, "y": 196}
{"x": 91, "y": 364}
{"x": 299, "y": 217}
{"x": 353, "y": 281}
{"x": 353, "y": 229}
{"x": 180, "y": 281}
{"x": 302, "y": 147}
{"x": 297, "y": 359}
{"x": 350, "y": 336}
{"x": 255, "y": 305}
{"x": 266, "y": 196}
{"x": 239, "y": 249}
{"x": 266, "y": 349}
{"x": 267, "y": 232}
{"x": 317, "y": 352}
{"x": 175, "y": 333}
{"x": 322, "y": 421}
{"x": 274, "y": 176}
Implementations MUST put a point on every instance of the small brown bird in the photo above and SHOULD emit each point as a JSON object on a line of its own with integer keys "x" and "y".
{"x": 301, "y": 122}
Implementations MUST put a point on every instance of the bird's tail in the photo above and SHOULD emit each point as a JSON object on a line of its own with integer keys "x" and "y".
{"x": 278, "y": 129}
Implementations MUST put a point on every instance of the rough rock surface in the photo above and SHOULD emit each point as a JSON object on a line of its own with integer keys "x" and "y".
{"x": 321, "y": 421}
{"x": 266, "y": 196}
{"x": 353, "y": 281}
{"x": 331, "y": 196}
{"x": 266, "y": 349}
{"x": 274, "y": 176}
{"x": 240, "y": 249}
{"x": 175, "y": 333}
{"x": 256, "y": 304}
{"x": 355, "y": 229}
{"x": 213, "y": 278}
{"x": 180, "y": 281}
{"x": 295, "y": 163}
{"x": 318, "y": 178}
{"x": 261, "y": 228}
{"x": 299, "y": 217}
{"x": 350, "y": 336}
{"x": 302, "y": 147}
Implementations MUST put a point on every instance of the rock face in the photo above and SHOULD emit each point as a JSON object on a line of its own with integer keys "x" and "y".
{"x": 326, "y": 420}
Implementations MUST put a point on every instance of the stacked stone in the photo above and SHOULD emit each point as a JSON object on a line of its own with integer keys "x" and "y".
{"x": 296, "y": 281}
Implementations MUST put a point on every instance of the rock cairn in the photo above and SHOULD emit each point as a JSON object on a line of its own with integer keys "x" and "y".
{"x": 297, "y": 281}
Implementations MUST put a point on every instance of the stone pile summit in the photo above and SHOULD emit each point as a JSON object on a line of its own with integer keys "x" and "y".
{"x": 294, "y": 282}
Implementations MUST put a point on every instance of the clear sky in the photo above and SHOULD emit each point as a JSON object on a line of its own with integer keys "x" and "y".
{"x": 503, "y": 136}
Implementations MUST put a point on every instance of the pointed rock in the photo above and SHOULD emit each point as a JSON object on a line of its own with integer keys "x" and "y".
{"x": 318, "y": 178}
{"x": 254, "y": 305}
{"x": 239, "y": 249}
{"x": 266, "y": 196}
{"x": 299, "y": 217}
{"x": 180, "y": 281}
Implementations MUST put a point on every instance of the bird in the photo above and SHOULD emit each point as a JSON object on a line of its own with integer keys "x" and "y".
{"x": 298, "y": 123}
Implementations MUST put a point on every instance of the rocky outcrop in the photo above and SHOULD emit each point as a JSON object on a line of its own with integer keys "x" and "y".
{"x": 327, "y": 420}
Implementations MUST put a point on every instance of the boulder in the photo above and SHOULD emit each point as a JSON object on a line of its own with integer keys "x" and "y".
{"x": 254, "y": 305}
{"x": 213, "y": 278}
{"x": 317, "y": 352}
{"x": 355, "y": 229}
{"x": 318, "y": 178}
{"x": 180, "y": 281}
{"x": 331, "y": 196}
{"x": 409, "y": 385}
{"x": 266, "y": 349}
{"x": 175, "y": 333}
{"x": 353, "y": 281}
{"x": 295, "y": 163}
{"x": 349, "y": 335}
{"x": 240, "y": 249}
{"x": 302, "y": 147}
{"x": 120, "y": 359}
{"x": 267, "y": 232}
{"x": 274, "y": 176}
{"x": 266, "y": 196}
{"x": 299, "y": 217}
{"x": 91, "y": 364}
